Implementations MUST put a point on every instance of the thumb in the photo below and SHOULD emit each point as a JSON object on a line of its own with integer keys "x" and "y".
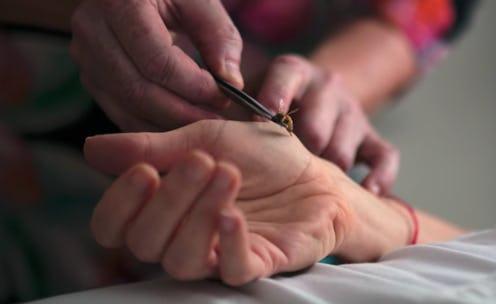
{"x": 215, "y": 35}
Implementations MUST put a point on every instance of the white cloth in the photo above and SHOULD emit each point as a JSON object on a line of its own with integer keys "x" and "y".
{"x": 459, "y": 271}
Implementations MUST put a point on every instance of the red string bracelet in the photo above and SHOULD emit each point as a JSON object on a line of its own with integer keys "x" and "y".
{"x": 413, "y": 216}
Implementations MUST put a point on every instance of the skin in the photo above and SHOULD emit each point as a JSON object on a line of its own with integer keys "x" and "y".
{"x": 127, "y": 52}
{"x": 138, "y": 74}
{"x": 204, "y": 203}
{"x": 152, "y": 84}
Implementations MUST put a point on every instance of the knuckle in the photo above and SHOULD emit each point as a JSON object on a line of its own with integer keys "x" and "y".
{"x": 342, "y": 159}
{"x": 314, "y": 138}
{"x": 231, "y": 35}
{"x": 392, "y": 150}
{"x": 236, "y": 280}
{"x": 102, "y": 236}
{"x": 177, "y": 269}
{"x": 204, "y": 87}
{"x": 111, "y": 6}
{"x": 228, "y": 33}
{"x": 392, "y": 153}
{"x": 137, "y": 248}
{"x": 296, "y": 63}
{"x": 327, "y": 79}
{"x": 328, "y": 76}
{"x": 387, "y": 149}
{"x": 134, "y": 90}
{"x": 159, "y": 68}
{"x": 291, "y": 59}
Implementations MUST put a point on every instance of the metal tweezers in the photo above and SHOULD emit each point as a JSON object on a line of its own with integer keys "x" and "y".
{"x": 246, "y": 100}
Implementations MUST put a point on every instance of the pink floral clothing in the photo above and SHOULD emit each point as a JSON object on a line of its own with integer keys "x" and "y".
{"x": 297, "y": 25}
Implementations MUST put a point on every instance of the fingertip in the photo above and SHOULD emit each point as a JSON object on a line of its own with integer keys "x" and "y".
{"x": 89, "y": 142}
{"x": 237, "y": 266}
{"x": 231, "y": 173}
{"x": 231, "y": 72}
{"x": 197, "y": 167}
{"x": 142, "y": 177}
{"x": 373, "y": 187}
{"x": 120, "y": 202}
{"x": 377, "y": 185}
{"x": 229, "y": 221}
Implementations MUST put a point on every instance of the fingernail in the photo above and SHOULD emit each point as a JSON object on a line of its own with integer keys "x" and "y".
{"x": 89, "y": 138}
{"x": 140, "y": 179}
{"x": 222, "y": 181}
{"x": 195, "y": 170}
{"x": 374, "y": 188}
{"x": 227, "y": 221}
{"x": 233, "y": 73}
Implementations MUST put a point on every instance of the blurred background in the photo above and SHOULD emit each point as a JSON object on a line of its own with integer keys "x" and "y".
{"x": 445, "y": 128}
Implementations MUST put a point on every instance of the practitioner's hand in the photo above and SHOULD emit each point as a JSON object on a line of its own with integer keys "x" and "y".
{"x": 250, "y": 203}
{"x": 329, "y": 121}
{"x": 132, "y": 64}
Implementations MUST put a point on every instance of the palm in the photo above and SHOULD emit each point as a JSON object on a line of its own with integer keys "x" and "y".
{"x": 281, "y": 225}
{"x": 262, "y": 151}
{"x": 297, "y": 201}
{"x": 287, "y": 195}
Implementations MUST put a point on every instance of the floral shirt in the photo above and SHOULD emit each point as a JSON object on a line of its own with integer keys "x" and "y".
{"x": 298, "y": 25}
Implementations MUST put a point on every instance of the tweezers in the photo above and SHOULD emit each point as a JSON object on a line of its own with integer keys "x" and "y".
{"x": 251, "y": 103}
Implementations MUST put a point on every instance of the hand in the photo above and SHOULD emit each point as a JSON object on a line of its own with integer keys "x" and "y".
{"x": 130, "y": 61}
{"x": 253, "y": 202}
{"x": 329, "y": 121}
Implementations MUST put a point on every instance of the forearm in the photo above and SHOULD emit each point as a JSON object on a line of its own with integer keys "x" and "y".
{"x": 373, "y": 58}
{"x": 384, "y": 224}
{"x": 433, "y": 229}
{"x": 49, "y": 14}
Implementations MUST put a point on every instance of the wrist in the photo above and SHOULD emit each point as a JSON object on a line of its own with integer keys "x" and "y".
{"x": 410, "y": 214}
{"x": 378, "y": 225}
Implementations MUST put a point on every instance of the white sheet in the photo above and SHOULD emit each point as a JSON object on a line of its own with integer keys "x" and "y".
{"x": 459, "y": 271}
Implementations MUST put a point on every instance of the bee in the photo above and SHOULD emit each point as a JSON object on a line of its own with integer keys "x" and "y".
{"x": 284, "y": 120}
{"x": 241, "y": 97}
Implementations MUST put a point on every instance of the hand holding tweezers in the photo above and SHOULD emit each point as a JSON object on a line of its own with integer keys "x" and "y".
{"x": 251, "y": 103}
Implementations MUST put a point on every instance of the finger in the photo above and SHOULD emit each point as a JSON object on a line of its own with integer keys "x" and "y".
{"x": 149, "y": 233}
{"x": 383, "y": 161}
{"x": 188, "y": 257}
{"x": 121, "y": 202}
{"x": 288, "y": 78}
{"x": 161, "y": 150}
{"x": 238, "y": 263}
{"x": 129, "y": 90}
{"x": 140, "y": 29}
{"x": 314, "y": 122}
{"x": 349, "y": 132}
{"x": 114, "y": 111}
{"x": 215, "y": 35}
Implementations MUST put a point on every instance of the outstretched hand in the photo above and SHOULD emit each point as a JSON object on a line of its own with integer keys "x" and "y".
{"x": 220, "y": 198}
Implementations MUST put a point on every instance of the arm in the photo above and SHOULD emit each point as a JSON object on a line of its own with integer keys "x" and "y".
{"x": 349, "y": 74}
{"x": 358, "y": 54}
{"x": 238, "y": 209}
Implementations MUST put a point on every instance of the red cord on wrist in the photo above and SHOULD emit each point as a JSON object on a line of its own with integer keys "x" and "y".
{"x": 413, "y": 216}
